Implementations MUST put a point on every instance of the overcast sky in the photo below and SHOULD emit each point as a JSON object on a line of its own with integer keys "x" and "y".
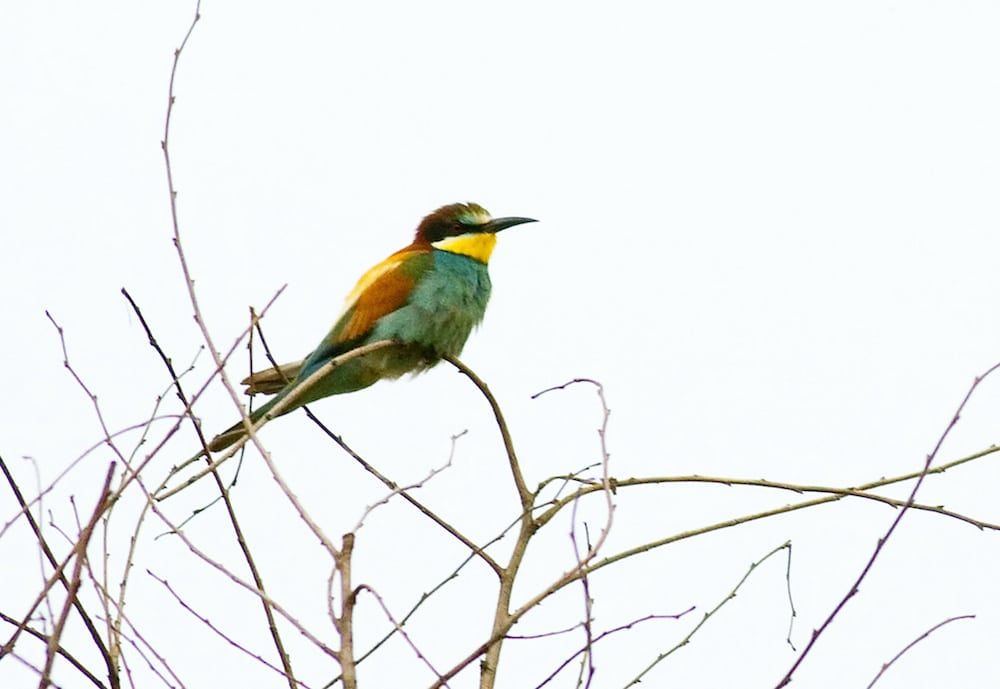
{"x": 770, "y": 229}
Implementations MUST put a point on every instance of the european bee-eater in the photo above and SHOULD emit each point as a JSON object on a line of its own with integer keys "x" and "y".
{"x": 426, "y": 297}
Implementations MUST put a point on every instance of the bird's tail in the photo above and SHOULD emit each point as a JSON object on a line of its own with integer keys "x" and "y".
{"x": 271, "y": 380}
{"x": 237, "y": 431}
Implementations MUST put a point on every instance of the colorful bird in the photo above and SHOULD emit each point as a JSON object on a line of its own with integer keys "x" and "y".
{"x": 426, "y": 298}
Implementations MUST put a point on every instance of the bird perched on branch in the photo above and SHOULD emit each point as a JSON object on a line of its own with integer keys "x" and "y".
{"x": 426, "y": 298}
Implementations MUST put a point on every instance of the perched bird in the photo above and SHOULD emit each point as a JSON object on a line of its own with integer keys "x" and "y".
{"x": 426, "y": 298}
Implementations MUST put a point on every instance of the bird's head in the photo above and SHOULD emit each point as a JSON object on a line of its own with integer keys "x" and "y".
{"x": 464, "y": 228}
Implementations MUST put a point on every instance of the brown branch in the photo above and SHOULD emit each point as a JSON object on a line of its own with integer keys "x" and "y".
{"x": 187, "y": 542}
{"x": 224, "y": 496}
{"x": 835, "y": 493}
{"x": 282, "y": 404}
{"x": 80, "y": 553}
{"x": 345, "y": 622}
{"x": 424, "y": 597}
{"x": 503, "y": 619}
{"x": 515, "y": 468}
{"x": 60, "y": 650}
{"x": 501, "y": 614}
{"x": 572, "y": 575}
{"x": 87, "y": 621}
{"x": 8, "y": 647}
{"x": 250, "y": 428}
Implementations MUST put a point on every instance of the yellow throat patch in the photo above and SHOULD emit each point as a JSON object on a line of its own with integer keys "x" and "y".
{"x": 477, "y": 245}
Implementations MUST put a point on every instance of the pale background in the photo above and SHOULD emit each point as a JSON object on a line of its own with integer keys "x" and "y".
{"x": 770, "y": 229}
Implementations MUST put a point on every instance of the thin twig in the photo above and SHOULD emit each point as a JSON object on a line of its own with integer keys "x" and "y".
{"x": 571, "y": 576}
{"x": 791, "y": 603}
{"x": 76, "y": 461}
{"x": 174, "y": 680}
{"x": 399, "y": 628}
{"x": 708, "y": 615}
{"x": 592, "y": 549}
{"x": 206, "y": 335}
{"x": 61, "y": 651}
{"x": 587, "y": 661}
{"x": 833, "y": 492}
{"x": 286, "y": 663}
{"x": 228, "y": 639}
{"x": 135, "y": 475}
{"x": 478, "y": 551}
{"x": 87, "y": 621}
{"x": 503, "y": 618}
{"x": 392, "y": 485}
{"x": 515, "y": 468}
{"x": 424, "y": 597}
{"x": 855, "y": 586}
{"x": 413, "y": 486}
{"x": 282, "y": 404}
{"x": 603, "y": 635}
{"x": 80, "y": 554}
{"x": 913, "y": 643}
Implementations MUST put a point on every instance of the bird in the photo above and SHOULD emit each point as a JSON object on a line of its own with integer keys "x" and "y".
{"x": 425, "y": 299}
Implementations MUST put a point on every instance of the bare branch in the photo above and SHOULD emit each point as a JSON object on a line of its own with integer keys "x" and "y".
{"x": 600, "y": 636}
{"x": 60, "y": 650}
{"x": 392, "y": 485}
{"x": 276, "y": 411}
{"x": 87, "y": 621}
{"x": 413, "y": 486}
{"x": 398, "y": 627}
{"x": 853, "y": 590}
{"x": 228, "y": 639}
{"x": 731, "y": 595}
{"x": 913, "y": 643}
{"x": 80, "y": 553}
{"x": 834, "y": 492}
{"x": 288, "y": 672}
{"x": 503, "y": 619}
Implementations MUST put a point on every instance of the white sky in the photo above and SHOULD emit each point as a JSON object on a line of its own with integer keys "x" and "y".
{"x": 770, "y": 229}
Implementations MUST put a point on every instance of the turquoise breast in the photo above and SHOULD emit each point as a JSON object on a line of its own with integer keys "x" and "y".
{"x": 447, "y": 303}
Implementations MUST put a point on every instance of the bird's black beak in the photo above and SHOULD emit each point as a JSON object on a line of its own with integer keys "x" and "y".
{"x": 497, "y": 224}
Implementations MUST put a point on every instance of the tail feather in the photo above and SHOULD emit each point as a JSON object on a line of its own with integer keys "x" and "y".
{"x": 271, "y": 380}
{"x": 238, "y": 431}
